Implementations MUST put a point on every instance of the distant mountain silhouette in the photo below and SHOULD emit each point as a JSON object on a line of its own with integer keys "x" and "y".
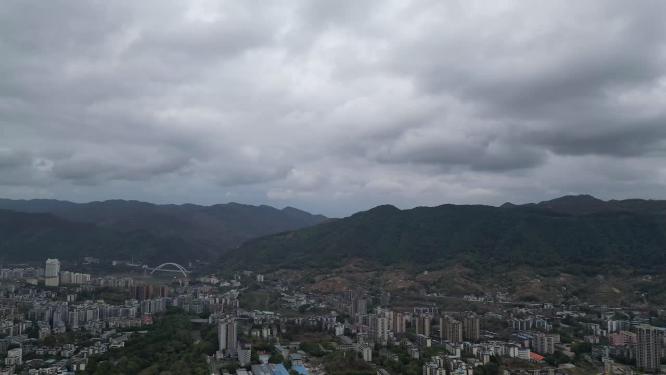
{"x": 571, "y": 230}
{"x": 587, "y": 204}
{"x": 36, "y": 236}
{"x": 199, "y": 231}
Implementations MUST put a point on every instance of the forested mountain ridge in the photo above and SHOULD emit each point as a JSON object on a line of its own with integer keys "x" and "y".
{"x": 579, "y": 230}
{"x": 571, "y": 230}
{"x": 185, "y": 232}
{"x": 35, "y": 237}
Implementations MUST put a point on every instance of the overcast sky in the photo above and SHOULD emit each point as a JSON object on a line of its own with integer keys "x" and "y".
{"x": 332, "y": 106}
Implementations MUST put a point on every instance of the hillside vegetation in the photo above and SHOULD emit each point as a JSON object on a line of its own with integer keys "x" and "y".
{"x": 33, "y": 229}
{"x": 573, "y": 232}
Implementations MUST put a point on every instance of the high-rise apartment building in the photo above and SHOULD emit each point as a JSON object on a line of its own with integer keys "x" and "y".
{"x": 227, "y": 336}
{"x": 544, "y": 344}
{"x": 379, "y": 327}
{"x": 398, "y": 323}
{"x": 450, "y": 329}
{"x": 423, "y": 323}
{"x": 471, "y": 328}
{"x": 360, "y": 306}
{"x": 245, "y": 354}
{"x": 52, "y": 272}
{"x": 648, "y": 348}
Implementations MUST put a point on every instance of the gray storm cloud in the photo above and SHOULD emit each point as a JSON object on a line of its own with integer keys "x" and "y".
{"x": 332, "y": 106}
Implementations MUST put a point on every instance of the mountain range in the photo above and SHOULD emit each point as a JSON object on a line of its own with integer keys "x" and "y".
{"x": 571, "y": 231}
{"x": 118, "y": 229}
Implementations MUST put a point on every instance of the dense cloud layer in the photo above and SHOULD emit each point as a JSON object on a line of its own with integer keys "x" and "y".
{"x": 332, "y": 106}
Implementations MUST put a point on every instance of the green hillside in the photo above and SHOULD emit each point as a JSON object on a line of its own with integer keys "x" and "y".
{"x": 536, "y": 235}
{"x": 119, "y": 229}
{"x": 35, "y": 237}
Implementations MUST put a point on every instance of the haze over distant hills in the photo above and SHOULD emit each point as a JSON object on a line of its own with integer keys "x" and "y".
{"x": 570, "y": 231}
{"x": 117, "y": 228}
